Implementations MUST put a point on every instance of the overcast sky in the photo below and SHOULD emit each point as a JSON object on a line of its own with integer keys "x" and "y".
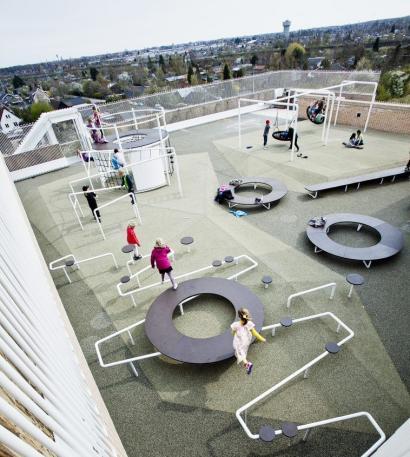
{"x": 35, "y": 31}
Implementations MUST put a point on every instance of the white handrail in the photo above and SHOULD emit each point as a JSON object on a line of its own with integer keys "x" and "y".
{"x": 301, "y": 370}
{"x": 200, "y": 270}
{"x": 298, "y": 294}
{"x": 121, "y": 362}
{"x": 134, "y": 208}
{"x": 77, "y": 262}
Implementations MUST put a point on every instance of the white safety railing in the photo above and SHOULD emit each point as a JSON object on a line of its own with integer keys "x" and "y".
{"x": 76, "y": 203}
{"x": 235, "y": 276}
{"x": 52, "y": 265}
{"x": 325, "y": 286}
{"x": 131, "y": 359}
{"x": 134, "y": 208}
{"x": 304, "y": 370}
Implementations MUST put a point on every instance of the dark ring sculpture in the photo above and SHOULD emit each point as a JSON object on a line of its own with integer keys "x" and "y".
{"x": 391, "y": 238}
{"x": 133, "y": 139}
{"x": 160, "y": 329}
{"x": 315, "y": 119}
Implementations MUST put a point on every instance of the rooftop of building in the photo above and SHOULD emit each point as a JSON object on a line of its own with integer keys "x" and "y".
{"x": 180, "y": 409}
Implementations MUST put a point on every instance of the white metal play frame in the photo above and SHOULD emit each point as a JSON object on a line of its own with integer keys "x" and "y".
{"x": 166, "y": 153}
{"x": 304, "y": 370}
{"x": 331, "y": 98}
{"x": 293, "y": 108}
{"x": 75, "y": 203}
{"x": 235, "y": 276}
{"x": 52, "y": 265}
{"x": 134, "y": 208}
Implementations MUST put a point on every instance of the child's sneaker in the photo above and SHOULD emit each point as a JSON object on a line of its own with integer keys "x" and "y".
{"x": 175, "y": 287}
{"x": 249, "y": 367}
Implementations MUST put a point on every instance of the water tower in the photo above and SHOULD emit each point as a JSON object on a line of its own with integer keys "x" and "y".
{"x": 286, "y": 27}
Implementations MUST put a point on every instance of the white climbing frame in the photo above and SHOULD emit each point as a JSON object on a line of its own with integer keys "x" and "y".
{"x": 134, "y": 208}
{"x": 304, "y": 370}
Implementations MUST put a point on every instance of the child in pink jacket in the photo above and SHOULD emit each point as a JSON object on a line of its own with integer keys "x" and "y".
{"x": 159, "y": 257}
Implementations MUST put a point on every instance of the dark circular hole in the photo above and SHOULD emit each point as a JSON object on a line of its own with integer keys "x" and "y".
{"x": 205, "y": 316}
{"x": 347, "y": 235}
{"x": 247, "y": 190}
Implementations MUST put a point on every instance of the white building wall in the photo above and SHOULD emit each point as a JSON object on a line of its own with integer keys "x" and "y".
{"x": 49, "y": 403}
{"x": 9, "y": 121}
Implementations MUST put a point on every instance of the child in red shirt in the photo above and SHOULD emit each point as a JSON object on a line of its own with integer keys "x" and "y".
{"x": 133, "y": 239}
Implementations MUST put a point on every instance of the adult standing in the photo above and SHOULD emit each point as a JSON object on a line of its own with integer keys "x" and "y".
{"x": 293, "y": 137}
{"x": 91, "y": 198}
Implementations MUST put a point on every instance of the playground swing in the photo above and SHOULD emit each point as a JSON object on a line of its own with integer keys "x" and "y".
{"x": 318, "y": 119}
{"x": 280, "y": 135}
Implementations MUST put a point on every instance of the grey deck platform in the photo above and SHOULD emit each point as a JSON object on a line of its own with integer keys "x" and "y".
{"x": 143, "y": 138}
{"x": 314, "y": 189}
{"x": 162, "y": 333}
{"x": 391, "y": 238}
{"x": 278, "y": 191}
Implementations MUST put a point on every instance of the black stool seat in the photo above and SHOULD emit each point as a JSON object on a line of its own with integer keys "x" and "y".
{"x": 125, "y": 279}
{"x": 355, "y": 279}
{"x": 187, "y": 240}
{"x": 286, "y": 321}
{"x": 267, "y": 279}
{"x": 332, "y": 348}
{"x": 267, "y": 433}
{"x": 69, "y": 262}
{"x": 229, "y": 259}
{"x": 216, "y": 263}
{"x": 289, "y": 429}
{"x": 127, "y": 248}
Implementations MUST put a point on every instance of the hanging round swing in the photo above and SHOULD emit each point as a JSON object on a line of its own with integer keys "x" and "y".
{"x": 281, "y": 135}
{"x": 318, "y": 119}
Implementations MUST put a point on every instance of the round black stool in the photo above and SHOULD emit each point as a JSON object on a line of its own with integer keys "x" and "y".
{"x": 354, "y": 279}
{"x": 186, "y": 241}
{"x": 266, "y": 280}
{"x": 267, "y": 433}
{"x": 229, "y": 259}
{"x": 69, "y": 262}
{"x": 125, "y": 279}
{"x": 216, "y": 263}
{"x": 289, "y": 429}
{"x": 286, "y": 321}
{"x": 127, "y": 248}
{"x": 332, "y": 348}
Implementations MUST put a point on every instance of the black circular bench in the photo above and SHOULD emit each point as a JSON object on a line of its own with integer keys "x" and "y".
{"x": 161, "y": 331}
{"x": 278, "y": 191}
{"x": 133, "y": 139}
{"x": 391, "y": 238}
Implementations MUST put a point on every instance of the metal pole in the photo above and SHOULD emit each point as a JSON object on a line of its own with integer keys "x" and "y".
{"x": 239, "y": 125}
{"x": 338, "y": 104}
{"x": 370, "y": 107}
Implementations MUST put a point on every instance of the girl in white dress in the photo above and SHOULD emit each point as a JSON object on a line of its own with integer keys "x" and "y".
{"x": 243, "y": 331}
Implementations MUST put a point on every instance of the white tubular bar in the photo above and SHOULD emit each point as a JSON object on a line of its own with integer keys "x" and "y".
{"x": 294, "y": 374}
{"x": 77, "y": 262}
{"x": 122, "y": 362}
{"x": 200, "y": 270}
{"x": 134, "y": 208}
{"x": 325, "y": 286}
{"x": 349, "y": 417}
{"x": 17, "y": 445}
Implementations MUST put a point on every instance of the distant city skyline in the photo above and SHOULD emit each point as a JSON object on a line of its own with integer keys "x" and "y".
{"x": 39, "y": 31}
